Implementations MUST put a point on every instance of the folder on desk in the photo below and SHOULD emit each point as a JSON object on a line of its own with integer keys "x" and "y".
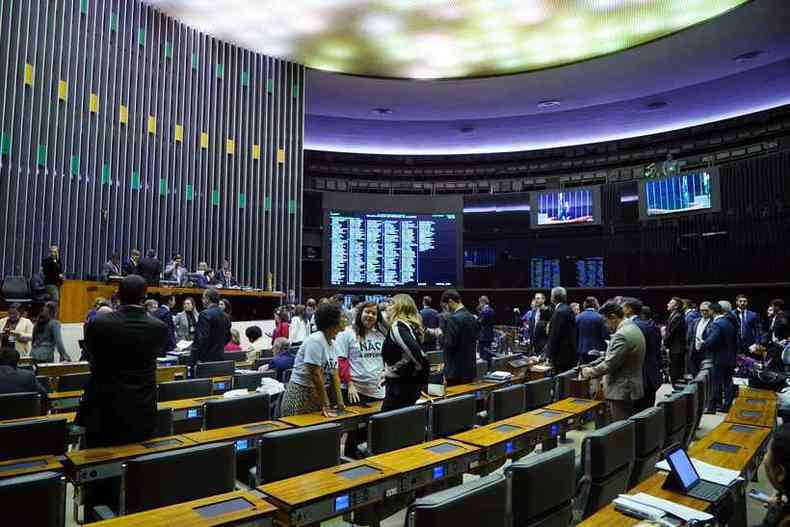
{"x": 648, "y": 503}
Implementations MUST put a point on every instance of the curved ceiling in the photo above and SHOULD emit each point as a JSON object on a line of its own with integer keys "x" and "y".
{"x": 433, "y": 39}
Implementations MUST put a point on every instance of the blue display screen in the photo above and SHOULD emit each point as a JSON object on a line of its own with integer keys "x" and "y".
{"x": 555, "y": 429}
{"x": 192, "y": 413}
{"x": 509, "y": 447}
{"x": 545, "y": 272}
{"x": 342, "y": 502}
{"x": 438, "y": 472}
{"x": 242, "y": 444}
{"x": 683, "y": 193}
{"x": 220, "y": 386}
{"x": 566, "y": 207}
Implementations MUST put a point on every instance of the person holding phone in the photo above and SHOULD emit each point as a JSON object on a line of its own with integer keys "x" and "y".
{"x": 316, "y": 357}
{"x": 777, "y": 468}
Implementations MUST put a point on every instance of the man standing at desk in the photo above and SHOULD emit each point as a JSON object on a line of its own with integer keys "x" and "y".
{"x": 149, "y": 268}
{"x": 561, "y": 346}
{"x": 212, "y": 331}
{"x": 485, "y": 315}
{"x": 461, "y": 332}
{"x": 53, "y": 273}
{"x": 119, "y": 404}
{"x": 130, "y": 266}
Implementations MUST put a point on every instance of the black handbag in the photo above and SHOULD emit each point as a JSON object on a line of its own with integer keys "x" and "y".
{"x": 767, "y": 380}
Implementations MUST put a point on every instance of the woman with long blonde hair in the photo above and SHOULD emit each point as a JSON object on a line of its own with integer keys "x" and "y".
{"x": 407, "y": 368}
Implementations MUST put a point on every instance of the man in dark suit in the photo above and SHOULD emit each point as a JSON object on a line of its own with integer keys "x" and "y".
{"x": 112, "y": 267}
{"x": 748, "y": 323}
{"x": 651, "y": 367}
{"x": 430, "y": 317}
{"x": 675, "y": 339}
{"x": 722, "y": 345}
{"x": 13, "y": 380}
{"x": 591, "y": 329}
{"x": 537, "y": 321}
{"x": 119, "y": 404}
{"x": 485, "y": 316}
{"x": 212, "y": 331}
{"x": 130, "y": 266}
{"x": 52, "y": 268}
{"x": 561, "y": 344}
{"x": 461, "y": 332}
{"x": 698, "y": 331}
{"x": 165, "y": 314}
{"x": 690, "y": 311}
{"x": 149, "y": 268}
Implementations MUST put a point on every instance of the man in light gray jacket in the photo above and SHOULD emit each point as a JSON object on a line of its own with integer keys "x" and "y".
{"x": 621, "y": 368}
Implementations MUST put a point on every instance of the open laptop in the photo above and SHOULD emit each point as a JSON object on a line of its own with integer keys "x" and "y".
{"x": 690, "y": 482}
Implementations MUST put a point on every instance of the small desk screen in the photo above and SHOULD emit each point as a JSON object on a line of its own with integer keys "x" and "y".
{"x": 506, "y": 429}
{"x": 724, "y": 447}
{"x": 758, "y": 402}
{"x": 742, "y": 429}
{"x": 442, "y": 448}
{"x": 256, "y": 428}
{"x": 549, "y": 413}
{"x": 509, "y": 447}
{"x": 192, "y": 413}
{"x": 358, "y": 472}
{"x": 750, "y": 413}
{"x": 160, "y": 444}
{"x": 225, "y": 507}
{"x": 242, "y": 444}
{"x": 438, "y": 472}
{"x": 342, "y": 502}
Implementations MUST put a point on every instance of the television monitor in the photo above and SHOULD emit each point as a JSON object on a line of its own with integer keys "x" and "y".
{"x": 545, "y": 272}
{"x": 688, "y": 193}
{"x": 574, "y": 206}
{"x": 589, "y": 272}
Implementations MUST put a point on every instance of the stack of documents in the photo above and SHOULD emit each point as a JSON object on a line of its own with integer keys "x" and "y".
{"x": 649, "y": 507}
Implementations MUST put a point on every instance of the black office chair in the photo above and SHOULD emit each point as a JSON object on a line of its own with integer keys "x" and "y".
{"x": 702, "y": 380}
{"x": 395, "y": 429}
{"x": 220, "y": 413}
{"x": 235, "y": 356}
{"x": 480, "y": 502}
{"x": 19, "y": 405}
{"x": 251, "y": 381}
{"x": 674, "y": 420}
{"x": 649, "y": 440}
{"x": 218, "y": 368}
{"x": 454, "y": 415}
{"x": 188, "y": 389}
{"x": 691, "y": 396}
{"x": 73, "y": 382}
{"x": 562, "y": 389}
{"x": 257, "y": 363}
{"x": 16, "y": 290}
{"x": 166, "y": 478}
{"x": 539, "y": 503}
{"x": 287, "y": 453}
{"x": 606, "y": 462}
{"x": 506, "y": 402}
{"x": 164, "y": 422}
{"x": 539, "y": 393}
{"x": 35, "y": 499}
{"x": 38, "y": 437}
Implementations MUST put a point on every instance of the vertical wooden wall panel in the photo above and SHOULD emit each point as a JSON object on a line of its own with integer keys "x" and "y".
{"x": 74, "y": 173}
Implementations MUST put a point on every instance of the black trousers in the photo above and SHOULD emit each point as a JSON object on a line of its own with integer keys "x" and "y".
{"x": 360, "y": 435}
{"x": 647, "y": 401}
{"x": 722, "y": 387}
{"x": 400, "y": 395}
{"x": 677, "y": 366}
{"x": 696, "y": 362}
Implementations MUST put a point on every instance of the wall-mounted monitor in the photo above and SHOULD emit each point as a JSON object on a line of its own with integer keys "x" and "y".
{"x": 590, "y": 272}
{"x": 545, "y": 272}
{"x": 559, "y": 208}
{"x": 392, "y": 242}
{"x": 688, "y": 193}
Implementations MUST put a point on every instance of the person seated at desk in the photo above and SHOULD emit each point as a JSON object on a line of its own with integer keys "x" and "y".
{"x": 130, "y": 265}
{"x": 119, "y": 403}
{"x": 186, "y": 321}
{"x": 47, "y": 337}
{"x": 306, "y": 391}
{"x": 97, "y": 304}
{"x": 225, "y": 276}
{"x": 112, "y": 267}
{"x": 13, "y": 380}
{"x": 151, "y": 307}
{"x": 149, "y": 268}
{"x": 235, "y": 341}
{"x": 175, "y": 270}
{"x": 284, "y": 357}
{"x": 777, "y": 468}
{"x": 257, "y": 343}
{"x": 280, "y": 325}
{"x": 17, "y": 330}
{"x": 205, "y": 280}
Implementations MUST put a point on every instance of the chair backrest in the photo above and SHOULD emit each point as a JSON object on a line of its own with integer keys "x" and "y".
{"x": 539, "y": 393}
{"x": 19, "y": 405}
{"x": 38, "y": 437}
{"x": 481, "y": 369}
{"x": 649, "y": 440}
{"x": 45, "y": 383}
{"x": 563, "y": 384}
{"x": 73, "y": 381}
{"x": 507, "y": 402}
{"x": 218, "y": 368}
{"x": 237, "y": 410}
{"x": 188, "y": 389}
{"x": 691, "y": 396}
{"x": 540, "y": 503}
{"x": 607, "y": 458}
{"x": 674, "y": 419}
{"x": 287, "y": 453}
{"x": 166, "y": 478}
{"x": 480, "y": 502}
{"x": 702, "y": 381}
{"x": 35, "y": 499}
{"x": 235, "y": 356}
{"x": 257, "y": 363}
{"x": 16, "y": 288}
{"x": 164, "y": 422}
{"x": 454, "y": 415}
{"x": 396, "y": 429}
{"x": 251, "y": 381}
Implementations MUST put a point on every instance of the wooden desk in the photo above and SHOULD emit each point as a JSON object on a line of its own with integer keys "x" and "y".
{"x": 64, "y": 400}
{"x": 93, "y": 464}
{"x": 755, "y": 393}
{"x": 348, "y": 419}
{"x": 78, "y": 296}
{"x": 751, "y": 442}
{"x": 323, "y": 494}
{"x": 583, "y": 410}
{"x": 256, "y": 511}
{"x": 184, "y": 409}
{"x": 500, "y": 440}
{"x": 170, "y": 373}
{"x": 608, "y": 517}
{"x": 68, "y": 416}
{"x": 752, "y": 414}
{"x": 479, "y": 388}
{"x": 423, "y": 464}
{"x": 222, "y": 384}
{"x": 242, "y": 435}
{"x": 29, "y": 465}
{"x": 538, "y": 371}
{"x": 56, "y": 369}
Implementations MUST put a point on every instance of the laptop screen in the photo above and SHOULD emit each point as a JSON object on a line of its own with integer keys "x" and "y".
{"x": 683, "y": 468}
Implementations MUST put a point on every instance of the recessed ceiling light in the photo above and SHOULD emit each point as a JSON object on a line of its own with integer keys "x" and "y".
{"x": 548, "y": 104}
{"x": 467, "y": 130}
{"x": 749, "y": 55}
{"x": 382, "y": 111}
{"x": 656, "y": 105}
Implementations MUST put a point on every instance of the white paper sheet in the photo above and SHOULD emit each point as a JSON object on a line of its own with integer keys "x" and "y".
{"x": 181, "y": 345}
{"x": 681, "y": 511}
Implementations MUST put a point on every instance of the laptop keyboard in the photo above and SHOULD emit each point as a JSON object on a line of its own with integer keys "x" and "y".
{"x": 707, "y": 491}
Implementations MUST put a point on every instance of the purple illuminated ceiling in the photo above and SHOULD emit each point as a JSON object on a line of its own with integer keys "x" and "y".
{"x": 686, "y": 79}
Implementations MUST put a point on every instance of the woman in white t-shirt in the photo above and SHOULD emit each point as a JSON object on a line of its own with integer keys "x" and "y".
{"x": 300, "y": 326}
{"x": 360, "y": 363}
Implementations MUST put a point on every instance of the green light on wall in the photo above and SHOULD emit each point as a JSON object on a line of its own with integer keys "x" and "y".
{"x": 270, "y": 86}
{"x": 41, "y": 155}
{"x": 105, "y": 174}
{"x": 75, "y": 165}
{"x": 162, "y": 187}
{"x": 245, "y": 78}
{"x": 141, "y": 37}
{"x": 194, "y": 61}
{"x": 267, "y": 203}
{"x": 5, "y": 144}
{"x": 215, "y": 198}
{"x": 113, "y": 22}
{"x": 242, "y": 200}
{"x": 136, "y": 183}
{"x": 220, "y": 71}
{"x": 190, "y": 193}
{"x": 291, "y": 206}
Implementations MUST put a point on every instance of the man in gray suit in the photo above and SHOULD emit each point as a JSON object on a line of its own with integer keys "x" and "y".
{"x": 621, "y": 368}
